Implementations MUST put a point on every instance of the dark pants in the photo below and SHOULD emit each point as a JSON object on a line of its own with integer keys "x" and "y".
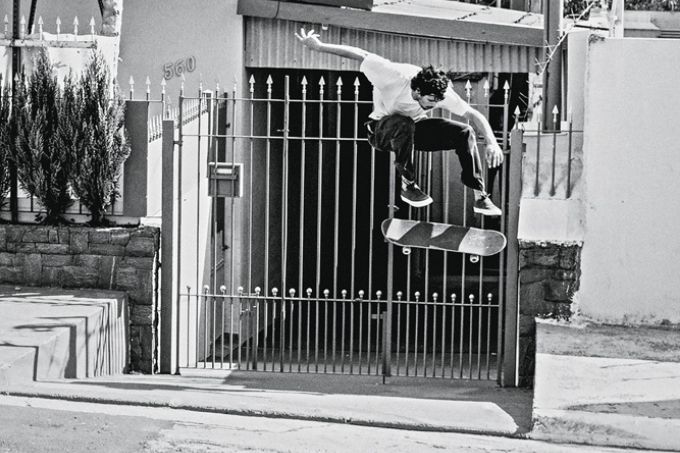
{"x": 402, "y": 135}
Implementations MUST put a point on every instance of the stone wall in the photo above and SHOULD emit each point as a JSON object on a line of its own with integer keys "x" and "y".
{"x": 549, "y": 274}
{"x": 124, "y": 259}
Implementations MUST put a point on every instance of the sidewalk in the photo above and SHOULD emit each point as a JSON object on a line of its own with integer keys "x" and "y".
{"x": 405, "y": 403}
{"x": 607, "y": 385}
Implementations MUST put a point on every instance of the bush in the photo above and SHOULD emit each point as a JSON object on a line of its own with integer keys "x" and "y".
{"x": 43, "y": 165}
{"x": 100, "y": 146}
{"x": 5, "y": 142}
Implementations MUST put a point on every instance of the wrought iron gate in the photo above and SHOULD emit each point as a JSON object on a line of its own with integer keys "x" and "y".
{"x": 281, "y": 262}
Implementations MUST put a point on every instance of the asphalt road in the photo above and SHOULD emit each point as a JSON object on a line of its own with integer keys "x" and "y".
{"x": 32, "y": 425}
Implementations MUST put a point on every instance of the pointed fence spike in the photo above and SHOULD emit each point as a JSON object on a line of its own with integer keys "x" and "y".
{"x": 269, "y": 80}
{"x": 131, "y": 81}
{"x": 506, "y": 86}
{"x": 322, "y": 82}
{"x": 251, "y": 80}
{"x": 339, "y": 82}
{"x": 357, "y": 82}
{"x": 468, "y": 85}
{"x": 555, "y": 110}
{"x": 304, "y": 81}
{"x": 517, "y": 111}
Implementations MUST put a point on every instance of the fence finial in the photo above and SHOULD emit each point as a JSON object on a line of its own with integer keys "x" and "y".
{"x": 131, "y": 82}
{"x": 75, "y": 27}
{"x": 235, "y": 87}
{"x": 22, "y": 27}
{"x": 269, "y": 83}
{"x": 555, "y": 112}
{"x": 486, "y": 88}
{"x": 163, "y": 84}
{"x": 148, "y": 87}
{"x": 40, "y": 27}
{"x": 357, "y": 84}
{"x": 517, "y": 112}
{"x": 468, "y": 89}
{"x": 6, "y": 27}
{"x": 58, "y": 22}
{"x": 92, "y": 24}
{"x": 304, "y": 85}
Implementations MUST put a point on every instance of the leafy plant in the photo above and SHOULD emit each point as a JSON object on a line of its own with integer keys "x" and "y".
{"x": 43, "y": 165}
{"x": 100, "y": 145}
{"x": 5, "y": 142}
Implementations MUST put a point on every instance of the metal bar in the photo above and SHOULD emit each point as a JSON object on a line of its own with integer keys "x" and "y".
{"x": 554, "y": 157}
{"x": 399, "y": 304}
{"x": 309, "y": 307}
{"x": 223, "y": 290}
{"x": 282, "y": 330}
{"x": 408, "y": 335}
{"x": 471, "y": 299}
{"x": 232, "y": 217}
{"x": 290, "y": 333}
{"x": 415, "y": 335}
{"x": 301, "y": 254}
{"x": 205, "y": 325}
{"x": 425, "y": 329}
{"x": 342, "y": 343}
{"x": 316, "y": 336}
{"x": 325, "y": 331}
{"x": 488, "y": 335}
{"x": 335, "y": 330}
{"x": 299, "y": 338}
{"x": 198, "y": 194}
{"x": 351, "y": 334}
{"x": 250, "y": 189}
{"x": 538, "y": 157}
{"x": 240, "y": 333}
{"x": 266, "y": 332}
{"x": 355, "y": 171}
{"x": 267, "y": 173}
{"x": 336, "y": 203}
{"x": 504, "y": 196}
{"x": 368, "y": 338}
{"x": 379, "y": 314}
{"x": 214, "y": 342}
{"x": 571, "y": 125}
{"x": 361, "y": 330}
{"x": 319, "y": 189}
{"x": 453, "y": 332}
{"x": 284, "y": 215}
{"x": 434, "y": 338}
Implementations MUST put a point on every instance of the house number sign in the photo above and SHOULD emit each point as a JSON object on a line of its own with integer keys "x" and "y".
{"x": 179, "y": 67}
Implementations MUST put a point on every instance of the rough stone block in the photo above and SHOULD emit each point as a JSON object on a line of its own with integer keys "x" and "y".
{"x": 88, "y": 261}
{"x": 53, "y": 249}
{"x": 100, "y": 236}
{"x": 140, "y": 246}
{"x": 14, "y": 233}
{"x": 11, "y": 275}
{"x": 559, "y": 290}
{"x": 64, "y": 235}
{"x": 51, "y": 276}
{"x": 138, "y": 262}
{"x": 6, "y": 259}
{"x": 127, "y": 278}
{"x": 78, "y": 277}
{"x": 570, "y": 257}
{"x": 3, "y": 239}
{"x": 24, "y": 247}
{"x": 78, "y": 241}
{"x": 120, "y": 237}
{"x": 32, "y": 268}
{"x": 36, "y": 234}
{"x": 57, "y": 260}
{"x": 53, "y": 236}
{"x": 527, "y": 325}
{"x": 538, "y": 255}
{"x": 107, "y": 249}
{"x": 146, "y": 231}
{"x": 141, "y": 315}
{"x": 534, "y": 274}
{"x": 563, "y": 274}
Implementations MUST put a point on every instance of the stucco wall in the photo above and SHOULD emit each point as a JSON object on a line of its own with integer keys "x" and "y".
{"x": 630, "y": 259}
{"x": 156, "y": 32}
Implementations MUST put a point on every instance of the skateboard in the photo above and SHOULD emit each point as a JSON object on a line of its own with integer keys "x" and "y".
{"x": 442, "y": 236}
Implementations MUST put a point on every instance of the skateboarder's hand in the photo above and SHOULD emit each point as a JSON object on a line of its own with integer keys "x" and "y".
{"x": 309, "y": 39}
{"x": 494, "y": 155}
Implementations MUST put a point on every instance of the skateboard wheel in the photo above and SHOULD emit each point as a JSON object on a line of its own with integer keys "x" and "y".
{"x": 406, "y": 250}
{"x": 474, "y": 259}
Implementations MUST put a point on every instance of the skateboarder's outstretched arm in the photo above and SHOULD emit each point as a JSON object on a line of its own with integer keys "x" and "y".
{"x": 311, "y": 40}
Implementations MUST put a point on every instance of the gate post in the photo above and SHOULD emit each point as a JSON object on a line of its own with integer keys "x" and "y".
{"x": 510, "y": 309}
{"x": 169, "y": 337}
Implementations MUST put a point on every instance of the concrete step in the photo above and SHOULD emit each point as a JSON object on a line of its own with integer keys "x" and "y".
{"x": 607, "y": 385}
{"x": 48, "y": 333}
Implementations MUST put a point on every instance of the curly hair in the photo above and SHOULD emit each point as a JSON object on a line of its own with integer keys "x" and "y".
{"x": 430, "y": 81}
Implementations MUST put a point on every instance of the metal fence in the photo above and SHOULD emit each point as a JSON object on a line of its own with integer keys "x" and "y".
{"x": 296, "y": 276}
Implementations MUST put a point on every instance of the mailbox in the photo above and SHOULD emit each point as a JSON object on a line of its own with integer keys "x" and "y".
{"x": 225, "y": 179}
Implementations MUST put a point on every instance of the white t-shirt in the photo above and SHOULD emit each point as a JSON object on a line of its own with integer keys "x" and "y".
{"x": 392, "y": 90}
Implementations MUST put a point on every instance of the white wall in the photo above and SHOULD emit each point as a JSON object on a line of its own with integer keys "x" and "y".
{"x": 156, "y": 32}
{"x": 631, "y": 254}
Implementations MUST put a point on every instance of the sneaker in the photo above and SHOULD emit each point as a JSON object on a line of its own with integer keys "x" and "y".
{"x": 411, "y": 194}
{"x": 486, "y": 207}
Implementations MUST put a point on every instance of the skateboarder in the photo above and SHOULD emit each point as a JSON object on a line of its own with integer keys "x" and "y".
{"x": 402, "y": 95}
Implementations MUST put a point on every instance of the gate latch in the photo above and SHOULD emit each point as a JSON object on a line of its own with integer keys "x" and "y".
{"x": 225, "y": 179}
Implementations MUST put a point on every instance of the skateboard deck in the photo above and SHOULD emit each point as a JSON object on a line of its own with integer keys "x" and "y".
{"x": 442, "y": 236}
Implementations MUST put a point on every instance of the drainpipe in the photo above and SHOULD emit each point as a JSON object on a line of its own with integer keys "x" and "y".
{"x": 552, "y": 76}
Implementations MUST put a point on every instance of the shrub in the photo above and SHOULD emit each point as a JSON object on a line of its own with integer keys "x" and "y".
{"x": 102, "y": 146}
{"x": 43, "y": 165}
{"x": 5, "y": 142}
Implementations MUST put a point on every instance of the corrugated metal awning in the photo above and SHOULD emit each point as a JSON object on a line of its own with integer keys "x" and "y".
{"x": 271, "y": 43}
